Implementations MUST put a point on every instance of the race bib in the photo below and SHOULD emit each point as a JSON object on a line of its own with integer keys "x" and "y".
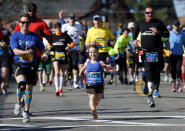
{"x": 59, "y": 56}
{"x": 94, "y": 77}
{"x": 28, "y": 58}
{"x": 100, "y": 42}
{"x": 152, "y": 57}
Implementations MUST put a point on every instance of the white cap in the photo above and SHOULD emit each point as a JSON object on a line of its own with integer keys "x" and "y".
{"x": 131, "y": 25}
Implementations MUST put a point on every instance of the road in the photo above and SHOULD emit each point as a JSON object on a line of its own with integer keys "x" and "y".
{"x": 123, "y": 109}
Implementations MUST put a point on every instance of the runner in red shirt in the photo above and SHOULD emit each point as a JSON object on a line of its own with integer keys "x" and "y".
{"x": 37, "y": 25}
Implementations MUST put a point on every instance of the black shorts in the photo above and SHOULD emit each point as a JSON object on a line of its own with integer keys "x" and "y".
{"x": 5, "y": 62}
{"x": 82, "y": 58}
{"x": 30, "y": 74}
{"x": 167, "y": 60}
{"x": 73, "y": 59}
{"x": 96, "y": 88}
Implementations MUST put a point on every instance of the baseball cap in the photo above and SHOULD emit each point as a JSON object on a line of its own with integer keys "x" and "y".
{"x": 71, "y": 16}
{"x": 169, "y": 27}
{"x": 119, "y": 32}
{"x": 176, "y": 23}
{"x": 131, "y": 25}
{"x": 96, "y": 16}
{"x": 31, "y": 6}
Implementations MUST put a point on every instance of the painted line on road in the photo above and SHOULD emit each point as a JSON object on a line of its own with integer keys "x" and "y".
{"x": 138, "y": 88}
{"x": 107, "y": 120}
{"x": 21, "y": 127}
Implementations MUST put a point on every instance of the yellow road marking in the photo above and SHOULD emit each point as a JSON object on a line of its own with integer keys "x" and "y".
{"x": 138, "y": 89}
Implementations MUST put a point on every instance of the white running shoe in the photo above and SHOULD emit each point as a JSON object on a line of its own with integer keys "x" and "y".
{"x": 17, "y": 109}
{"x": 75, "y": 85}
{"x": 136, "y": 78}
{"x": 26, "y": 117}
{"x": 70, "y": 88}
{"x": 166, "y": 78}
{"x": 4, "y": 91}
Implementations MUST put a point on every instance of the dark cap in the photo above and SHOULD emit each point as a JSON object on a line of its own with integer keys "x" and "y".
{"x": 58, "y": 24}
{"x": 176, "y": 23}
{"x": 71, "y": 16}
{"x": 32, "y": 6}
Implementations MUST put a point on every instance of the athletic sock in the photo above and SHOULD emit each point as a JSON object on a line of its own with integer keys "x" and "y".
{"x": 61, "y": 82}
{"x": 150, "y": 86}
{"x": 56, "y": 83}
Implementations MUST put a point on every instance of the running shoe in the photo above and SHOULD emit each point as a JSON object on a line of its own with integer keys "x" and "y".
{"x": 94, "y": 113}
{"x": 126, "y": 81}
{"x": 61, "y": 92}
{"x": 150, "y": 101}
{"x": 57, "y": 93}
{"x": 145, "y": 90}
{"x": 173, "y": 89}
{"x": 17, "y": 109}
{"x": 70, "y": 88}
{"x": 121, "y": 80}
{"x": 26, "y": 117}
{"x": 110, "y": 82}
{"x": 75, "y": 85}
{"x": 131, "y": 80}
{"x": 156, "y": 94}
{"x": 136, "y": 78}
{"x": 4, "y": 91}
{"x": 180, "y": 89}
{"x": 50, "y": 82}
{"x": 42, "y": 88}
{"x": 166, "y": 78}
{"x": 81, "y": 85}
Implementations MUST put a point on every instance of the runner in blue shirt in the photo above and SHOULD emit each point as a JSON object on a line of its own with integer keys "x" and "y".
{"x": 94, "y": 79}
{"x": 24, "y": 45}
{"x": 177, "y": 40}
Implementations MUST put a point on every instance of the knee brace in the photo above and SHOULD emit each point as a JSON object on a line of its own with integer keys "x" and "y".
{"x": 22, "y": 85}
{"x": 28, "y": 95}
{"x": 19, "y": 93}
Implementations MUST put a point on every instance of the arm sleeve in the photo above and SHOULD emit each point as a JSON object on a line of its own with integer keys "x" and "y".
{"x": 13, "y": 41}
{"x": 46, "y": 29}
{"x": 71, "y": 45}
{"x": 62, "y": 21}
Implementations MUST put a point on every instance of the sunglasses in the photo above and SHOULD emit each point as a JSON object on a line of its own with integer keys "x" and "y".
{"x": 148, "y": 13}
{"x": 31, "y": 10}
{"x": 24, "y": 22}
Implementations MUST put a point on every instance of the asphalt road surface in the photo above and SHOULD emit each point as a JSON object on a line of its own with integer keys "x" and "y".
{"x": 123, "y": 109}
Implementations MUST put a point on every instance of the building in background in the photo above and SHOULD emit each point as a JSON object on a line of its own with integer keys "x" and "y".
{"x": 113, "y": 11}
{"x": 180, "y": 10}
